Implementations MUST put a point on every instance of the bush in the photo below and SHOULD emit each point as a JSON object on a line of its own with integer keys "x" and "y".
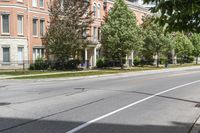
{"x": 190, "y": 59}
{"x": 72, "y": 64}
{"x": 39, "y": 64}
{"x": 137, "y": 61}
{"x": 186, "y": 59}
{"x": 100, "y": 63}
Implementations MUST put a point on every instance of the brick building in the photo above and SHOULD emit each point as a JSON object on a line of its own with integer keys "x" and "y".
{"x": 23, "y": 23}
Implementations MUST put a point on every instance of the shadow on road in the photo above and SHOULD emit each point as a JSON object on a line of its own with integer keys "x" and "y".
{"x": 8, "y": 125}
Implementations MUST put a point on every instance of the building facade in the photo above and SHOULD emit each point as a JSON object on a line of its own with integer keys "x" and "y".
{"x": 23, "y": 24}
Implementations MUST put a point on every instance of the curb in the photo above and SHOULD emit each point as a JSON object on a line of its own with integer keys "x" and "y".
{"x": 110, "y": 76}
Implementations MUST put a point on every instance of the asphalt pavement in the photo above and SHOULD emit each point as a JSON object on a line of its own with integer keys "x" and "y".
{"x": 164, "y": 102}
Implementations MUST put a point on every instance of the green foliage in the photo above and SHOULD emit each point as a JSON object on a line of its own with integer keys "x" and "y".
{"x": 155, "y": 41}
{"x": 195, "y": 39}
{"x": 38, "y": 65}
{"x": 72, "y": 64}
{"x": 100, "y": 63}
{"x": 178, "y": 15}
{"x": 64, "y": 38}
{"x": 119, "y": 32}
{"x": 137, "y": 61}
{"x": 183, "y": 46}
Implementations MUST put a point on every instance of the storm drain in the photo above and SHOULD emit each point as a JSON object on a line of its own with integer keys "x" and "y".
{"x": 197, "y": 106}
{"x": 4, "y": 104}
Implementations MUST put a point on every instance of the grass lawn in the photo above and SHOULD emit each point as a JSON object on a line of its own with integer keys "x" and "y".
{"x": 89, "y": 73}
{"x": 21, "y": 72}
{"x": 51, "y": 74}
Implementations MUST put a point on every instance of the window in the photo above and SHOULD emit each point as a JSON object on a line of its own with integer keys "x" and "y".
{"x": 94, "y": 9}
{"x": 99, "y": 34}
{"x": 94, "y": 33}
{"x": 20, "y": 25}
{"x": 41, "y": 3}
{"x": 19, "y": 0}
{"x": 6, "y": 55}
{"x": 20, "y": 55}
{"x": 42, "y": 27}
{"x": 37, "y": 53}
{"x": 34, "y": 3}
{"x": 5, "y": 24}
{"x": 99, "y": 10}
{"x": 35, "y": 28}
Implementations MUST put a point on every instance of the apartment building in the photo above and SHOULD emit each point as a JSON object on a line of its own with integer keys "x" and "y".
{"x": 100, "y": 9}
{"x": 23, "y": 24}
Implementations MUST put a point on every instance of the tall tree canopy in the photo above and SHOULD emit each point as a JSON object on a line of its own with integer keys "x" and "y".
{"x": 195, "y": 39}
{"x": 155, "y": 41}
{"x": 119, "y": 32}
{"x": 183, "y": 46}
{"x": 178, "y": 15}
{"x": 69, "y": 19}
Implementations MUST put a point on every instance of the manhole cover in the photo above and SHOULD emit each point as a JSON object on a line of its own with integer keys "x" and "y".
{"x": 197, "y": 105}
{"x": 4, "y": 104}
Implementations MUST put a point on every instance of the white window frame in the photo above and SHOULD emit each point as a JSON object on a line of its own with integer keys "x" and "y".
{"x": 94, "y": 33}
{"x": 22, "y": 60}
{"x": 22, "y": 25}
{"x": 36, "y": 27}
{"x": 5, "y": 33}
{"x": 99, "y": 10}
{"x": 94, "y": 9}
{"x": 3, "y": 55}
{"x": 20, "y": 1}
{"x": 43, "y": 4}
{"x": 34, "y": 4}
{"x": 43, "y": 27}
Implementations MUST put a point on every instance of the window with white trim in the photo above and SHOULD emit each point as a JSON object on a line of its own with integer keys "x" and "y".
{"x": 20, "y": 55}
{"x": 95, "y": 9}
{"x": 6, "y": 55}
{"x": 99, "y": 10}
{"x": 19, "y": 0}
{"x": 42, "y": 27}
{"x": 41, "y": 3}
{"x": 20, "y": 24}
{"x": 35, "y": 27}
{"x": 95, "y": 33}
{"x": 5, "y": 23}
{"x": 38, "y": 53}
{"x": 34, "y": 3}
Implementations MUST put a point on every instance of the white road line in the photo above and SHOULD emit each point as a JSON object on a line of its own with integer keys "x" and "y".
{"x": 128, "y": 106}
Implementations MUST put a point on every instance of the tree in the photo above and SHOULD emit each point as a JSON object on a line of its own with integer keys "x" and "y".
{"x": 68, "y": 21}
{"x": 119, "y": 32}
{"x": 178, "y": 15}
{"x": 195, "y": 39}
{"x": 155, "y": 41}
{"x": 183, "y": 46}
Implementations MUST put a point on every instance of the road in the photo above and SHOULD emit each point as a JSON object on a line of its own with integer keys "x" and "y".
{"x": 164, "y": 102}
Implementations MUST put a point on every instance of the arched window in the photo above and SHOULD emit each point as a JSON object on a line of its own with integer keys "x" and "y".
{"x": 99, "y": 10}
{"x": 95, "y": 9}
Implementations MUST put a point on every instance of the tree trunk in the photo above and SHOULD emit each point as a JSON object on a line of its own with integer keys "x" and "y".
{"x": 121, "y": 63}
{"x": 197, "y": 59}
{"x": 158, "y": 60}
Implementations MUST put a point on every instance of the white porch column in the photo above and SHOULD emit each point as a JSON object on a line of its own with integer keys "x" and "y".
{"x": 86, "y": 58}
{"x": 95, "y": 57}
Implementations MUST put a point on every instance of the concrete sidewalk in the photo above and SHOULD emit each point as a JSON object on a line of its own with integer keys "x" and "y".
{"x": 136, "y": 73}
